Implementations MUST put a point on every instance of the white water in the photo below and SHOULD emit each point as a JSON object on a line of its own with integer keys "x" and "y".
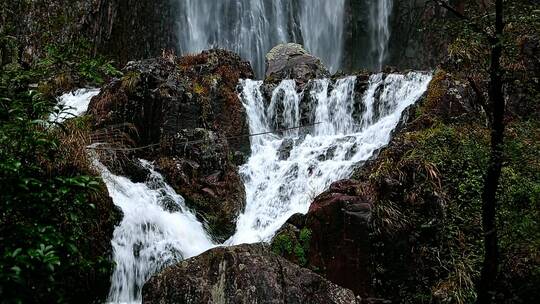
{"x": 380, "y": 11}
{"x": 158, "y": 230}
{"x": 277, "y": 189}
{"x": 149, "y": 237}
{"x": 252, "y": 27}
{"x": 72, "y": 104}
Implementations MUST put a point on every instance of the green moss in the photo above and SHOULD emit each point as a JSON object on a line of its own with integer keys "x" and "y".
{"x": 282, "y": 245}
{"x": 293, "y": 245}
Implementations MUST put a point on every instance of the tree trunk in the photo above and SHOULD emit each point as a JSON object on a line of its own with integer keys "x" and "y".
{"x": 488, "y": 279}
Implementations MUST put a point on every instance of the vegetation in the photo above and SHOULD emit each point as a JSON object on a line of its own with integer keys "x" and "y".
{"x": 485, "y": 24}
{"x": 294, "y": 248}
{"x": 427, "y": 233}
{"x": 56, "y": 219}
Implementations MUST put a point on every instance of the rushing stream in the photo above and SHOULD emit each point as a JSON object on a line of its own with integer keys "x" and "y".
{"x": 344, "y": 130}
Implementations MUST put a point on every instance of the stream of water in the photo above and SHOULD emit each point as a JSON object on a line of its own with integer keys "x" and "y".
{"x": 158, "y": 230}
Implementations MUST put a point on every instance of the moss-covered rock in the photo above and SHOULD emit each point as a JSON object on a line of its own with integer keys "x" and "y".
{"x": 242, "y": 274}
{"x": 187, "y": 116}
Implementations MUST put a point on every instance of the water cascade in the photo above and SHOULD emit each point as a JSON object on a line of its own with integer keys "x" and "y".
{"x": 72, "y": 104}
{"x": 156, "y": 230}
{"x": 343, "y": 130}
{"x": 346, "y": 133}
{"x": 252, "y": 27}
{"x": 379, "y": 26}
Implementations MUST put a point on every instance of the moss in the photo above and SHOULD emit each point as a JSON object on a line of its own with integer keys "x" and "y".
{"x": 282, "y": 245}
{"x": 294, "y": 245}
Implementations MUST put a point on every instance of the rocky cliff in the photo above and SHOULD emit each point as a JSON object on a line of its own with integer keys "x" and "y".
{"x": 184, "y": 114}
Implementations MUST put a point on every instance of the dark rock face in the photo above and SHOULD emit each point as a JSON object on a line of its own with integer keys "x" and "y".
{"x": 451, "y": 99}
{"x": 241, "y": 274}
{"x": 121, "y": 29}
{"x": 181, "y": 111}
{"x": 291, "y": 61}
{"x": 338, "y": 225}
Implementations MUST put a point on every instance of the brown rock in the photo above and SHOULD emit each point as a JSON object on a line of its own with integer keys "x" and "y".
{"x": 291, "y": 61}
{"x": 241, "y": 274}
{"x": 338, "y": 224}
{"x": 182, "y": 112}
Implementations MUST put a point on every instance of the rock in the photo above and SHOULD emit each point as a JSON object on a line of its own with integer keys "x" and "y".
{"x": 121, "y": 30}
{"x": 182, "y": 112}
{"x": 338, "y": 246}
{"x": 241, "y": 274}
{"x": 452, "y": 99}
{"x": 285, "y": 149}
{"x": 291, "y": 61}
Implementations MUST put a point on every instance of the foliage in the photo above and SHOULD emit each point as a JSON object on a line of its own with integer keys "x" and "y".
{"x": 293, "y": 245}
{"x": 54, "y": 210}
{"x": 436, "y": 240}
{"x": 468, "y": 51}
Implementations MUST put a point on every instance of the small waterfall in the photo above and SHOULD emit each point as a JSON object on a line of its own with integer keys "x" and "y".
{"x": 279, "y": 184}
{"x": 252, "y": 27}
{"x": 72, "y": 104}
{"x": 380, "y": 11}
{"x": 157, "y": 230}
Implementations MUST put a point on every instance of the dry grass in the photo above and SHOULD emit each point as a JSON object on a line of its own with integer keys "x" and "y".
{"x": 388, "y": 219}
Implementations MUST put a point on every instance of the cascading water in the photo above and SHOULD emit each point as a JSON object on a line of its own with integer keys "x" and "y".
{"x": 279, "y": 186}
{"x": 380, "y": 11}
{"x": 252, "y": 27}
{"x": 72, "y": 104}
{"x": 157, "y": 229}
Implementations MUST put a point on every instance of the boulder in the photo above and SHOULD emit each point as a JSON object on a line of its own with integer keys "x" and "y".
{"x": 241, "y": 274}
{"x": 292, "y": 61}
{"x": 185, "y": 115}
{"x": 333, "y": 237}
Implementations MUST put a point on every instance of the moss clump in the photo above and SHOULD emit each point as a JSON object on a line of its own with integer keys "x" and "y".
{"x": 294, "y": 245}
{"x": 282, "y": 245}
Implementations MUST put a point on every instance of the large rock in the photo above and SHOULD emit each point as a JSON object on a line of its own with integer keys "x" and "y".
{"x": 182, "y": 111}
{"x": 333, "y": 238}
{"x": 291, "y": 61}
{"x": 241, "y": 274}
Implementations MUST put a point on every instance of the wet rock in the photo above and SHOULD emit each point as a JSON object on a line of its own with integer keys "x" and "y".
{"x": 241, "y": 274}
{"x": 338, "y": 245}
{"x": 285, "y": 149}
{"x": 184, "y": 114}
{"x": 292, "y": 61}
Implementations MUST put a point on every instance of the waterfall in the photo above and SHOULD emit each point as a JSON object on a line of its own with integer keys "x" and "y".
{"x": 252, "y": 27}
{"x": 279, "y": 184}
{"x": 72, "y": 104}
{"x": 157, "y": 230}
{"x": 380, "y": 11}
{"x": 283, "y": 175}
